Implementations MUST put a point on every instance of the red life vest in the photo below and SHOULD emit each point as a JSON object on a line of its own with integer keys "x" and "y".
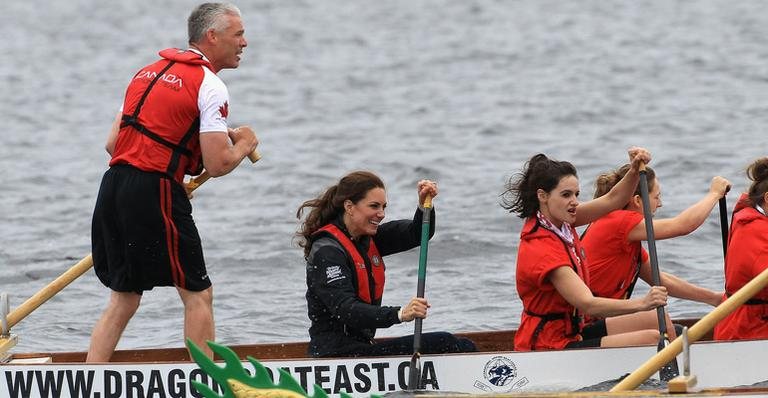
{"x": 747, "y": 257}
{"x": 614, "y": 260}
{"x": 548, "y": 320}
{"x": 368, "y": 284}
{"x": 160, "y": 129}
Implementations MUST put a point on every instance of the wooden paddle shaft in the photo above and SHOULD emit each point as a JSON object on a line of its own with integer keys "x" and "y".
{"x": 205, "y": 176}
{"x": 254, "y": 156}
{"x": 696, "y": 332}
{"x": 49, "y": 291}
{"x": 84, "y": 265}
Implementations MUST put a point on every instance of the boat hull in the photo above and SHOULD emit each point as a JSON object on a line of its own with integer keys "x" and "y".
{"x": 716, "y": 364}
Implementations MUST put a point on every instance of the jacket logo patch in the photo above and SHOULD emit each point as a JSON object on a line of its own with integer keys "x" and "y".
{"x": 166, "y": 79}
{"x": 224, "y": 110}
{"x": 376, "y": 260}
{"x": 333, "y": 274}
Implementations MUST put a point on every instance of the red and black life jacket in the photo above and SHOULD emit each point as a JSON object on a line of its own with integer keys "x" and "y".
{"x": 370, "y": 282}
{"x": 161, "y": 119}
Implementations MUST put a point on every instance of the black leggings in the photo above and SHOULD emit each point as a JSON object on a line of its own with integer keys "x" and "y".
{"x": 591, "y": 335}
{"x": 431, "y": 343}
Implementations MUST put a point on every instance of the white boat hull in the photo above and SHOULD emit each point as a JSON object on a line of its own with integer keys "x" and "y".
{"x": 716, "y": 364}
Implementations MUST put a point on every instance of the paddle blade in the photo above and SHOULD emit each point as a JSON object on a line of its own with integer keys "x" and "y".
{"x": 414, "y": 372}
{"x": 670, "y": 370}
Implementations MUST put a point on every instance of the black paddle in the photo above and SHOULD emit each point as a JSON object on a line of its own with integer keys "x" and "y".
{"x": 414, "y": 375}
{"x": 670, "y": 370}
{"x": 724, "y": 224}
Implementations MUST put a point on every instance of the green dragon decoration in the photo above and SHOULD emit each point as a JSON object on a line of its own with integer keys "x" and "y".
{"x": 237, "y": 383}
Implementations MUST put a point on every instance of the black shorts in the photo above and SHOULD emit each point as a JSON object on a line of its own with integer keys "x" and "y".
{"x": 143, "y": 234}
{"x": 591, "y": 335}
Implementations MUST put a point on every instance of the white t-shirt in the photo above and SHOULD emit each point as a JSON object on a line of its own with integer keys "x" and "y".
{"x": 213, "y": 101}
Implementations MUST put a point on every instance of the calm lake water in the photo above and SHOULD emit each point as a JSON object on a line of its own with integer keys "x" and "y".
{"x": 462, "y": 92}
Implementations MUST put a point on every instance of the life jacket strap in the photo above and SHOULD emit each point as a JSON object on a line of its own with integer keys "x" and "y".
{"x": 130, "y": 120}
{"x": 752, "y": 301}
{"x": 179, "y": 149}
{"x": 552, "y": 316}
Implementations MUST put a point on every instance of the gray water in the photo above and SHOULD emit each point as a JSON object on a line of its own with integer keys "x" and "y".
{"x": 462, "y": 92}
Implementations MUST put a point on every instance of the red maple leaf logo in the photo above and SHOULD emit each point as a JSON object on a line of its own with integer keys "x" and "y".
{"x": 224, "y": 110}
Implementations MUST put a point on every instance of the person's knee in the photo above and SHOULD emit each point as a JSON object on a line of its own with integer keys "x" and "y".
{"x": 461, "y": 344}
{"x": 443, "y": 342}
{"x": 203, "y": 298}
{"x": 466, "y": 345}
{"x": 124, "y": 304}
{"x": 650, "y": 336}
{"x": 207, "y": 295}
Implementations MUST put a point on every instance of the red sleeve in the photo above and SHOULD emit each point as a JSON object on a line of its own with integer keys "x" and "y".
{"x": 629, "y": 221}
{"x": 554, "y": 257}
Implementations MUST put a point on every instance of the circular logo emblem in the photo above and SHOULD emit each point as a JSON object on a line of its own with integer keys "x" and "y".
{"x": 500, "y": 371}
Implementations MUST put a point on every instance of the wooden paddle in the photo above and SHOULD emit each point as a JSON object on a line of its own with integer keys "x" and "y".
{"x": 80, "y": 268}
{"x": 192, "y": 184}
{"x": 670, "y": 370}
{"x": 414, "y": 375}
{"x": 695, "y": 333}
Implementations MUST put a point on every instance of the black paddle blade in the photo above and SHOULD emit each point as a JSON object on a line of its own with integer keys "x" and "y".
{"x": 670, "y": 370}
{"x": 414, "y": 372}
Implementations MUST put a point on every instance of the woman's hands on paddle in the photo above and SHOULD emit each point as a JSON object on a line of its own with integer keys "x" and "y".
{"x": 416, "y": 308}
{"x": 656, "y": 297}
{"x": 719, "y": 186}
{"x": 619, "y": 195}
{"x": 426, "y": 188}
{"x": 637, "y": 156}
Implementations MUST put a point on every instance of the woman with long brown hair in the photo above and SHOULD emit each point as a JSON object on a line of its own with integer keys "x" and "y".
{"x": 344, "y": 241}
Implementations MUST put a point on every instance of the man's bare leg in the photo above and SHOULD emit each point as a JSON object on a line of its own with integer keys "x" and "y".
{"x": 107, "y": 331}
{"x": 198, "y": 317}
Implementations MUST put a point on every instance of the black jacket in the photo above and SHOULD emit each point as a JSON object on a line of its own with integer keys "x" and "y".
{"x": 340, "y": 320}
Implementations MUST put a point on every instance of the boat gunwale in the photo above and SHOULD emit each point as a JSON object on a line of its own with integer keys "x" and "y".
{"x": 486, "y": 342}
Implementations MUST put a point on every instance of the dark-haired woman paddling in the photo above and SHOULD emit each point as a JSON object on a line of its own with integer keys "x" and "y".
{"x": 551, "y": 272}
{"x": 344, "y": 241}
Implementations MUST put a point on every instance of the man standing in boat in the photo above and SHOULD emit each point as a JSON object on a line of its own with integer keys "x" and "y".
{"x": 173, "y": 122}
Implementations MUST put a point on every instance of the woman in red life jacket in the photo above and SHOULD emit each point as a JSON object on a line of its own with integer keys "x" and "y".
{"x": 617, "y": 259}
{"x": 344, "y": 241}
{"x": 552, "y": 277}
{"x": 747, "y": 257}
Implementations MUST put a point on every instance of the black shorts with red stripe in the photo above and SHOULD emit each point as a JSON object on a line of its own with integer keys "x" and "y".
{"x": 143, "y": 234}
